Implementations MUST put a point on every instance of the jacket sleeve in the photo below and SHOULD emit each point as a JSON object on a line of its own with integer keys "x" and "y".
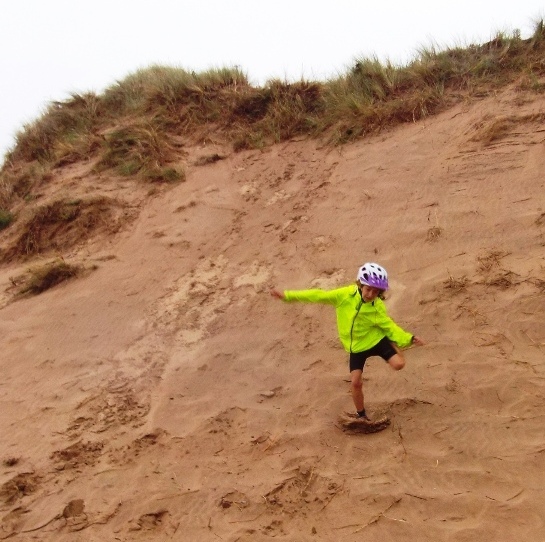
{"x": 329, "y": 297}
{"x": 394, "y": 332}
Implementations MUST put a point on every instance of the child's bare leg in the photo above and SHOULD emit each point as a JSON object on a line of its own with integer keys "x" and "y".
{"x": 397, "y": 361}
{"x": 357, "y": 389}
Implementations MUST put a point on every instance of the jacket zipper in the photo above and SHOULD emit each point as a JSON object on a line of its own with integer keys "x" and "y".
{"x": 353, "y": 322}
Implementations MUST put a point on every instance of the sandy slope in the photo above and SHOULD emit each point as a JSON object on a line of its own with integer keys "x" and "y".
{"x": 166, "y": 396}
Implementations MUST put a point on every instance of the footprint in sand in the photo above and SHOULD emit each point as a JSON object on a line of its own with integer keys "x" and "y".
{"x": 75, "y": 515}
{"x": 304, "y": 489}
{"x": 18, "y": 487}
{"x": 12, "y": 522}
{"x": 274, "y": 528}
{"x": 117, "y": 405}
{"x": 240, "y": 500}
{"x": 150, "y": 521}
{"x": 78, "y": 454}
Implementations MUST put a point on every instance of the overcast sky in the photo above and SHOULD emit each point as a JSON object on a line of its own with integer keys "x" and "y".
{"x": 51, "y": 48}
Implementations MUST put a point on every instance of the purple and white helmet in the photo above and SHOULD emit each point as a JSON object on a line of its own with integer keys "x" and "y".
{"x": 373, "y": 275}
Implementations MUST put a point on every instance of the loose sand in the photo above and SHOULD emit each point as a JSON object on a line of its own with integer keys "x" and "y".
{"x": 166, "y": 396}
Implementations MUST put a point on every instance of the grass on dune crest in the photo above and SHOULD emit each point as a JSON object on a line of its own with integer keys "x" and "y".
{"x": 134, "y": 127}
{"x": 140, "y": 149}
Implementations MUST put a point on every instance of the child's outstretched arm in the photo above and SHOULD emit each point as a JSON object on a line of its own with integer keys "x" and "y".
{"x": 314, "y": 295}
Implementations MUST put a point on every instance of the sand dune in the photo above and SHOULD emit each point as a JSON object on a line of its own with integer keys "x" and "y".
{"x": 165, "y": 396}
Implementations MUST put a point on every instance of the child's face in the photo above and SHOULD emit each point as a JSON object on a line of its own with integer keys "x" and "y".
{"x": 369, "y": 293}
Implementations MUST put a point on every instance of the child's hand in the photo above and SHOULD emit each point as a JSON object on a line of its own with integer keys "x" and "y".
{"x": 277, "y": 294}
{"x": 418, "y": 341}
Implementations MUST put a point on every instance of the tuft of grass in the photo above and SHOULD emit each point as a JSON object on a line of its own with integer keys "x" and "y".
{"x": 358, "y": 110}
{"x": 209, "y": 159}
{"x": 249, "y": 139}
{"x": 164, "y": 175}
{"x": 19, "y": 181}
{"x": 372, "y": 79}
{"x": 6, "y": 218}
{"x": 275, "y": 113}
{"x": 64, "y": 128}
{"x": 172, "y": 93}
{"x": 456, "y": 284}
{"x": 62, "y": 224}
{"x": 47, "y": 276}
{"x": 530, "y": 81}
{"x": 491, "y": 130}
{"x": 141, "y": 149}
{"x": 490, "y": 261}
{"x": 291, "y": 109}
{"x": 503, "y": 280}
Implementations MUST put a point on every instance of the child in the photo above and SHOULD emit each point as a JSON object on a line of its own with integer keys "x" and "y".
{"x": 364, "y": 327}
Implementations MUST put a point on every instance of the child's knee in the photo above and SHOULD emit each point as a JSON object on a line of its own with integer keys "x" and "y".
{"x": 397, "y": 362}
{"x": 356, "y": 381}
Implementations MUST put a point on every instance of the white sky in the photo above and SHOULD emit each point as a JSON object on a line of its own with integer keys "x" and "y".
{"x": 50, "y": 48}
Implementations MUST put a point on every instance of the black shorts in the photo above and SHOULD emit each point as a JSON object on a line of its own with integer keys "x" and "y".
{"x": 383, "y": 348}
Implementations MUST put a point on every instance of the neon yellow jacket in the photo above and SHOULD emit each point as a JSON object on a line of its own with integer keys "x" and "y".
{"x": 360, "y": 325}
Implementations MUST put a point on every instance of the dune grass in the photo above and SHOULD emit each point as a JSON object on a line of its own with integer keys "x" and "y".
{"x": 61, "y": 224}
{"x": 6, "y": 218}
{"x": 131, "y": 128}
{"x": 64, "y": 128}
{"x": 140, "y": 149}
{"x": 46, "y": 276}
